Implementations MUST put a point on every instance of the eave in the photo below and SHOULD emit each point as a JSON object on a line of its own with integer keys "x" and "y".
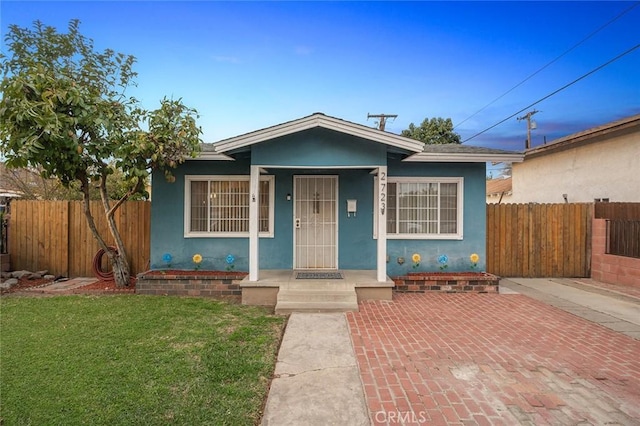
{"x": 314, "y": 121}
{"x": 211, "y": 156}
{"x": 431, "y": 157}
{"x": 605, "y": 132}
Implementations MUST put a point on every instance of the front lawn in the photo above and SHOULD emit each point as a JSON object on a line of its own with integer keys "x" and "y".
{"x": 128, "y": 360}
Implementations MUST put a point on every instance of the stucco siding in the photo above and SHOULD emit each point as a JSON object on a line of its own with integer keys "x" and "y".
{"x": 606, "y": 169}
{"x": 167, "y": 222}
{"x": 356, "y": 243}
{"x": 497, "y": 198}
{"x": 317, "y": 148}
{"x": 474, "y": 222}
{"x": 356, "y": 246}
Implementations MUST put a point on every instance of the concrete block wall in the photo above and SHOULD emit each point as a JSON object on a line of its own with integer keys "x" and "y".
{"x": 608, "y": 268}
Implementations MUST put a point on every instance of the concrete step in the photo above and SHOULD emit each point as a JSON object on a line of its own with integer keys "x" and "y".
{"x": 316, "y": 285}
{"x": 290, "y": 307}
{"x": 317, "y": 297}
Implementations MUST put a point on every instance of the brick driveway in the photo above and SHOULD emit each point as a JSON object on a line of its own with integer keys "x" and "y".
{"x": 492, "y": 360}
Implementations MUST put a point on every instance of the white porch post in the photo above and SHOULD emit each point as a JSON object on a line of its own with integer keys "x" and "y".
{"x": 254, "y": 197}
{"x": 382, "y": 224}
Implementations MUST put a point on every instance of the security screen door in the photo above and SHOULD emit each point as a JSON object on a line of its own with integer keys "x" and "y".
{"x": 315, "y": 224}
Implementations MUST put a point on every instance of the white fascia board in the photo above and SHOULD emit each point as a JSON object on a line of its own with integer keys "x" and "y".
{"x": 211, "y": 156}
{"x": 319, "y": 121}
{"x": 373, "y": 134}
{"x": 424, "y": 157}
{"x": 314, "y": 167}
{"x": 266, "y": 134}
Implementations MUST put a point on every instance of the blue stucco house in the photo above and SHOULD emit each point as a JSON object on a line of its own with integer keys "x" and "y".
{"x": 321, "y": 193}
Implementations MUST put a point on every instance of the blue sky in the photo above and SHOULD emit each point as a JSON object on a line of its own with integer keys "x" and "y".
{"x": 249, "y": 65}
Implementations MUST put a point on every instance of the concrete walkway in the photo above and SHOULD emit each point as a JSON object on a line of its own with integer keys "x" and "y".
{"x": 316, "y": 377}
{"x": 614, "y": 310}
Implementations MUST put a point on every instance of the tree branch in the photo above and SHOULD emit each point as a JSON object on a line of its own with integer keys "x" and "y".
{"x": 86, "y": 203}
{"x": 110, "y": 213}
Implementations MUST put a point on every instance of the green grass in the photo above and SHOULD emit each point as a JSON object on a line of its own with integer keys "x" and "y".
{"x": 134, "y": 360}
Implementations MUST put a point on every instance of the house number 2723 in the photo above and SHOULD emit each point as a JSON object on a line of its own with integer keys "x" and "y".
{"x": 383, "y": 193}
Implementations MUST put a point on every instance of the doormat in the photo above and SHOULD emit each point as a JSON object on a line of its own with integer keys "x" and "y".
{"x": 319, "y": 276}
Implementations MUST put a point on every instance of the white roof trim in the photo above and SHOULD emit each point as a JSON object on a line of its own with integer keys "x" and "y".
{"x": 427, "y": 157}
{"x": 314, "y": 167}
{"x": 211, "y": 156}
{"x": 318, "y": 120}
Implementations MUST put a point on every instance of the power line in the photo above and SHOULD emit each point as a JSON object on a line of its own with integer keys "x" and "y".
{"x": 556, "y": 91}
{"x": 548, "y": 64}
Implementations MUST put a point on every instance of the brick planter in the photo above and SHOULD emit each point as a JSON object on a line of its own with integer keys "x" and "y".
{"x": 447, "y": 282}
{"x": 190, "y": 283}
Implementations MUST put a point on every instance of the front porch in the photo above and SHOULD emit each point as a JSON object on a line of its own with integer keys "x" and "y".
{"x": 283, "y": 290}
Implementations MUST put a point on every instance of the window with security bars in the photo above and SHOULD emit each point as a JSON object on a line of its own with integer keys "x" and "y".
{"x": 424, "y": 207}
{"x": 219, "y": 205}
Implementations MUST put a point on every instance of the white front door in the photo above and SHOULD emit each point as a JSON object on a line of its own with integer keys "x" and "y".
{"x": 315, "y": 217}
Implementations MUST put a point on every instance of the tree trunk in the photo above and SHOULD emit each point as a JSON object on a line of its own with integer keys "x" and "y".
{"x": 121, "y": 273}
{"x": 121, "y": 269}
{"x": 119, "y": 262}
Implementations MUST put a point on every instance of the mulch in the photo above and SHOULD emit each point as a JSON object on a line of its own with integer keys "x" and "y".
{"x": 25, "y": 284}
{"x": 100, "y": 286}
{"x": 108, "y": 286}
{"x": 190, "y": 272}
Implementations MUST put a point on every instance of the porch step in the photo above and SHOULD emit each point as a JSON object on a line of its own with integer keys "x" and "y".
{"x": 309, "y": 296}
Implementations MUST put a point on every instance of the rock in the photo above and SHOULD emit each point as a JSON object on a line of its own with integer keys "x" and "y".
{"x": 35, "y": 276}
{"x": 5, "y": 274}
{"x": 9, "y": 283}
{"x": 49, "y": 277}
{"x": 62, "y": 279}
{"x": 20, "y": 274}
{"x": 42, "y": 273}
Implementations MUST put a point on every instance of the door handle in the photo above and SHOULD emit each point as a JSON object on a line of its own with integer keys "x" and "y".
{"x": 297, "y": 223}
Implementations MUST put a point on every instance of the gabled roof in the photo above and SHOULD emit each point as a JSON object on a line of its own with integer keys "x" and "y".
{"x": 419, "y": 152}
{"x": 313, "y": 121}
{"x": 499, "y": 186}
{"x": 458, "y": 153}
{"x": 595, "y": 134}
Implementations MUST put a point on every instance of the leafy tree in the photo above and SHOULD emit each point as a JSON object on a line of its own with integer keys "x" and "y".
{"x": 433, "y": 131}
{"x": 64, "y": 111}
{"x": 29, "y": 183}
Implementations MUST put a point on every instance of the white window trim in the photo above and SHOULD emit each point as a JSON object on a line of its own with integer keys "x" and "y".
{"x": 420, "y": 179}
{"x": 205, "y": 234}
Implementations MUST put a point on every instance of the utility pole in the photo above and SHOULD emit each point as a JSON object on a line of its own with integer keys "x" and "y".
{"x": 383, "y": 119}
{"x": 527, "y": 117}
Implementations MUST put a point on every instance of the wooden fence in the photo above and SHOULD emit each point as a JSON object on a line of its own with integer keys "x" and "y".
{"x": 623, "y": 227}
{"x": 623, "y": 238}
{"x": 539, "y": 240}
{"x": 54, "y": 235}
{"x": 523, "y": 240}
{"x": 617, "y": 211}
